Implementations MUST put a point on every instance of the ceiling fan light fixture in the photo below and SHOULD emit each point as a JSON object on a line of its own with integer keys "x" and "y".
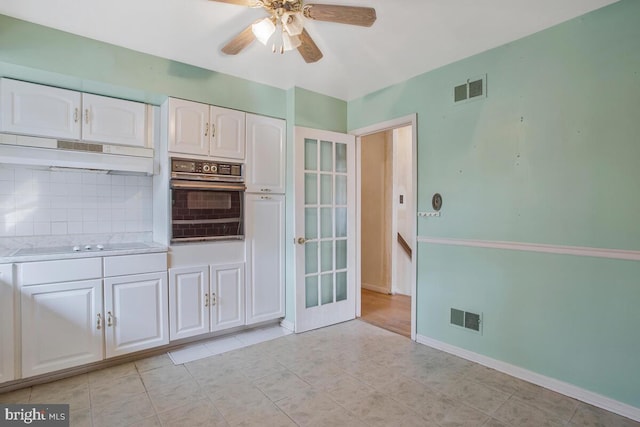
{"x": 290, "y": 42}
{"x": 263, "y": 30}
{"x": 292, "y": 23}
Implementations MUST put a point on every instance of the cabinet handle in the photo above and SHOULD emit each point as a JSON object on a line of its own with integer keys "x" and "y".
{"x": 213, "y": 130}
{"x": 99, "y": 325}
{"x": 206, "y": 129}
{"x": 213, "y": 299}
{"x": 265, "y": 197}
{"x": 86, "y": 116}
{"x": 75, "y": 115}
{"x": 109, "y": 319}
{"x": 206, "y": 300}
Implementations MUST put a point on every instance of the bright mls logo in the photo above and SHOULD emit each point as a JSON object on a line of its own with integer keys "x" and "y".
{"x": 34, "y": 415}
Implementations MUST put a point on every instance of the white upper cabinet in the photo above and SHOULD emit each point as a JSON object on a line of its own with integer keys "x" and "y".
{"x": 113, "y": 121}
{"x": 205, "y": 130}
{"x": 188, "y": 127}
{"x": 265, "y": 167}
{"x": 227, "y": 133}
{"x": 6, "y": 323}
{"x": 38, "y": 110}
{"x": 32, "y": 109}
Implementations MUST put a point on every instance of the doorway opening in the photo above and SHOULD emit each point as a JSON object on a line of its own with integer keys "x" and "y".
{"x": 387, "y": 226}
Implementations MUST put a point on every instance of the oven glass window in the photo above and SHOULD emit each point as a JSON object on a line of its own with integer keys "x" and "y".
{"x": 206, "y": 214}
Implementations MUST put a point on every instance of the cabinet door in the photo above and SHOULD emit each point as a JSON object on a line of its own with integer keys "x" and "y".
{"x": 265, "y": 257}
{"x": 227, "y": 296}
{"x": 61, "y": 326}
{"x": 38, "y": 110}
{"x": 227, "y": 133}
{"x": 135, "y": 313}
{"x": 265, "y": 166}
{"x": 113, "y": 121}
{"x": 188, "y": 305}
{"x": 6, "y": 323}
{"x": 188, "y": 127}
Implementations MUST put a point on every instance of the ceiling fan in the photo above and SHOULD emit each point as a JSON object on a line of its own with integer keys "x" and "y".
{"x": 284, "y": 25}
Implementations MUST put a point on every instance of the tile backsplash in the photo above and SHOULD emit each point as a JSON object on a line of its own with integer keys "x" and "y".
{"x": 37, "y": 202}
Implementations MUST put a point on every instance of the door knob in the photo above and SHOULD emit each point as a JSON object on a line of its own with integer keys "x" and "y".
{"x": 301, "y": 240}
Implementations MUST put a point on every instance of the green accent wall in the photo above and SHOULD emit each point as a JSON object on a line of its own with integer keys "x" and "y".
{"x": 317, "y": 111}
{"x": 549, "y": 156}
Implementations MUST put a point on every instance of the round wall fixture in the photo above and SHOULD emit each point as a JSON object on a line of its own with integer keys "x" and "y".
{"x": 436, "y": 202}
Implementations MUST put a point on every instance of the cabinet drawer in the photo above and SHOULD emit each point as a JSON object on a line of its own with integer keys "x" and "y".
{"x": 134, "y": 264}
{"x": 62, "y": 270}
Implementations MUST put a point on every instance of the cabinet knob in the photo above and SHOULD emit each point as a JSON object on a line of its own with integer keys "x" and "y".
{"x": 75, "y": 115}
{"x": 265, "y": 197}
{"x": 213, "y": 299}
{"x": 213, "y": 130}
{"x": 109, "y": 319}
{"x": 206, "y": 129}
{"x": 265, "y": 190}
{"x": 206, "y": 300}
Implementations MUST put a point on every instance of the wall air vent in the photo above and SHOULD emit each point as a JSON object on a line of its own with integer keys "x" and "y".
{"x": 466, "y": 320}
{"x": 475, "y": 88}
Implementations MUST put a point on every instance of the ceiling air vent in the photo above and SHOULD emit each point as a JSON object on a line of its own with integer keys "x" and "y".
{"x": 475, "y": 88}
{"x": 466, "y": 320}
{"x": 80, "y": 146}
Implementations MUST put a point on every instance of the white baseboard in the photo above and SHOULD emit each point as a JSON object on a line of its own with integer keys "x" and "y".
{"x": 288, "y": 325}
{"x": 567, "y": 389}
{"x": 375, "y": 288}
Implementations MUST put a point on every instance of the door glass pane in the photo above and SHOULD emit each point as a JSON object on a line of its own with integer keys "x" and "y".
{"x": 326, "y": 222}
{"x": 326, "y": 156}
{"x": 341, "y": 189}
{"x": 311, "y": 257}
{"x": 311, "y": 291}
{"x": 326, "y": 256}
{"x": 310, "y": 188}
{"x": 311, "y": 223}
{"x": 341, "y": 254}
{"x": 326, "y": 281}
{"x": 326, "y": 189}
{"x": 341, "y": 222}
{"x": 341, "y": 286}
{"x": 341, "y": 157}
{"x": 310, "y": 154}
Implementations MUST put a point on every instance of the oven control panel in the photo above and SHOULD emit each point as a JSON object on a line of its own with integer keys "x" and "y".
{"x": 205, "y": 167}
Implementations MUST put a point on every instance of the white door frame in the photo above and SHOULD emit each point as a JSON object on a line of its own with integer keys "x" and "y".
{"x": 410, "y": 120}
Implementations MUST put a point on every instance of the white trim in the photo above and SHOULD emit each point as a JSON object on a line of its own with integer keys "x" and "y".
{"x": 288, "y": 325}
{"x": 376, "y": 288}
{"x": 558, "y": 386}
{"x": 536, "y": 247}
{"x": 409, "y": 120}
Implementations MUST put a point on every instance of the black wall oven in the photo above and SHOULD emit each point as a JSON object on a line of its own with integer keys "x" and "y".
{"x": 207, "y": 201}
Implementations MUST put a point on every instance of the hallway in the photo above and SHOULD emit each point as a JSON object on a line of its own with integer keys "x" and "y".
{"x": 390, "y": 312}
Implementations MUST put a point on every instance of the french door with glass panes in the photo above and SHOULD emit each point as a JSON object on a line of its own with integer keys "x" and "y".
{"x": 325, "y": 220}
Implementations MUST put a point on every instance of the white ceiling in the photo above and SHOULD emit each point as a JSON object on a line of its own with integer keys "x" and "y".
{"x": 409, "y": 37}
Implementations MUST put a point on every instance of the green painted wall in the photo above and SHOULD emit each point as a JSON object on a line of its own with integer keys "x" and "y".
{"x": 314, "y": 110}
{"x": 550, "y": 156}
{"x": 44, "y": 55}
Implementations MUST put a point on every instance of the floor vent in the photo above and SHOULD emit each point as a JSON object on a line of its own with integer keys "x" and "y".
{"x": 465, "y": 319}
{"x": 474, "y": 88}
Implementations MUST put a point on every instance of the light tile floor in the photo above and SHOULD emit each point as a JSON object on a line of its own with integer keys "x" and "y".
{"x": 352, "y": 374}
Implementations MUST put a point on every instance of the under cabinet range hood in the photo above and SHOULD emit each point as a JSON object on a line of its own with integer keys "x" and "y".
{"x": 53, "y": 153}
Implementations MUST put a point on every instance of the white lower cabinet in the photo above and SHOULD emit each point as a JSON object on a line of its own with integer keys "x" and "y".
{"x": 61, "y": 326}
{"x": 135, "y": 313}
{"x": 205, "y": 299}
{"x": 7, "y": 369}
{"x": 68, "y": 323}
{"x": 265, "y": 257}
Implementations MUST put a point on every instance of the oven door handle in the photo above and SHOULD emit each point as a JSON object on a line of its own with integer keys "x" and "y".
{"x": 203, "y": 185}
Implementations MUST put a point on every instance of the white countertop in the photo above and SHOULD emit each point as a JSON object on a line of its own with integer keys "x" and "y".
{"x": 26, "y": 254}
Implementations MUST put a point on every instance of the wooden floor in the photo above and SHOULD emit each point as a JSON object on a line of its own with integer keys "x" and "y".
{"x": 391, "y": 312}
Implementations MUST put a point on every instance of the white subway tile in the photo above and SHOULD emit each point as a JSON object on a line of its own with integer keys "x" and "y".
{"x": 23, "y": 175}
{"x": 89, "y": 203}
{"x": 103, "y": 179}
{"x": 118, "y": 226}
{"x": 89, "y": 215}
{"x": 7, "y": 173}
{"x": 132, "y": 226}
{"x": 6, "y": 187}
{"x": 24, "y": 228}
{"x": 90, "y": 227}
{"x": 59, "y": 228}
{"x": 103, "y": 192}
{"x": 117, "y": 180}
{"x": 74, "y": 227}
{"x": 89, "y": 190}
{"x": 59, "y": 215}
{"x": 104, "y": 227}
{"x": 74, "y": 215}
{"x": 41, "y": 228}
{"x": 7, "y": 229}
{"x": 42, "y": 215}
{"x": 89, "y": 178}
{"x": 131, "y": 180}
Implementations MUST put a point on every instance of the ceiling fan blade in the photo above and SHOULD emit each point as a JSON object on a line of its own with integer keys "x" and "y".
{"x": 308, "y": 48}
{"x": 239, "y": 42}
{"x": 238, "y": 2}
{"x": 353, "y": 15}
